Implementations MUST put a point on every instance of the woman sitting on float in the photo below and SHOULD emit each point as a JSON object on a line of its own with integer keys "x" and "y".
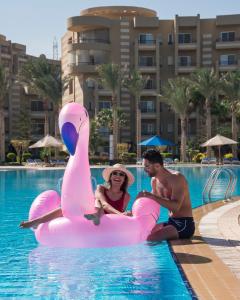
{"x": 111, "y": 198}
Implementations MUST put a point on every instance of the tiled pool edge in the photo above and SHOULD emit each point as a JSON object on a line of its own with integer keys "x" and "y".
{"x": 207, "y": 274}
{"x": 183, "y": 275}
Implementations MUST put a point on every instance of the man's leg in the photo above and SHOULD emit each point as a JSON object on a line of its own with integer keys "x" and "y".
{"x": 161, "y": 232}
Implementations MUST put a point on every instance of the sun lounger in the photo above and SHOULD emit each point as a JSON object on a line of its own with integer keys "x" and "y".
{"x": 168, "y": 161}
{"x": 212, "y": 160}
{"x": 205, "y": 160}
{"x": 226, "y": 161}
{"x": 235, "y": 161}
{"x": 30, "y": 162}
{"x": 38, "y": 162}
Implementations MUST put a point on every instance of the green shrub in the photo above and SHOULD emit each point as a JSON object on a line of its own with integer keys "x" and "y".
{"x": 97, "y": 160}
{"x": 11, "y": 156}
{"x": 198, "y": 157}
{"x": 26, "y": 155}
{"x": 166, "y": 155}
{"x": 228, "y": 156}
{"x": 127, "y": 157}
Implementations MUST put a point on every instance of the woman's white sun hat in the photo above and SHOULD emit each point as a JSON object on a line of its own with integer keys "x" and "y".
{"x": 118, "y": 167}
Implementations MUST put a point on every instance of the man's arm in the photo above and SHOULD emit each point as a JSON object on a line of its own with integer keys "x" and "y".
{"x": 177, "y": 197}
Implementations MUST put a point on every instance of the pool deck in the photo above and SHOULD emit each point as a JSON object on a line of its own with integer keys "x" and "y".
{"x": 211, "y": 260}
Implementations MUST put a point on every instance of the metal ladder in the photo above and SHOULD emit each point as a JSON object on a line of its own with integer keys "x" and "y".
{"x": 232, "y": 180}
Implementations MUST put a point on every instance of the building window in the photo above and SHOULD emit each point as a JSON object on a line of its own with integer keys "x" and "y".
{"x": 146, "y": 61}
{"x": 37, "y": 105}
{"x": 70, "y": 87}
{"x": 146, "y": 38}
{"x": 104, "y": 105}
{"x": 90, "y": 83}
{"x": 227, "y": 59}
{"x": 170, "y": 60}
{"x": 104, "y": 131}
{"x": 150, "y": 84}
{"x": 184, "y": 38}
{"x": 147, "y": 106}
{"x": 192, "y": 126}
{"x": 37, "y": 126}
{"x": 170, "y": 39}
{"x": 160, "y": 39}
{"x": 228, "y": 36}
{"x": 184, "y": 61}
{"x": 148, "y": 129}
{"x": 170, "y": 128}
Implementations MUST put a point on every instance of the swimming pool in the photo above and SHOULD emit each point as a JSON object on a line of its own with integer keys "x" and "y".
{"x": 28, "y": 271}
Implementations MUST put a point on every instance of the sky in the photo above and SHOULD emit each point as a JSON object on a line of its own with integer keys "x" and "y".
{"x": 36, "y": 23}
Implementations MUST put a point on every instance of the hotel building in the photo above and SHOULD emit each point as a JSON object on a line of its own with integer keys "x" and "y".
{"x": 13, "y": 56}
{"x": 135, "y": 37}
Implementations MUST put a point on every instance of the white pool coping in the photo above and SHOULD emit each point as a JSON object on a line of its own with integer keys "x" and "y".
{"x": 220, "y": 229}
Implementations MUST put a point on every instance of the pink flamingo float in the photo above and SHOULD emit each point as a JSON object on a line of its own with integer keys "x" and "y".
{"x": 73, "y": 230}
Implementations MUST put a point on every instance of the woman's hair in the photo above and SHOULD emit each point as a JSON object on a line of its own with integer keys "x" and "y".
{"x": 123, "y": 186}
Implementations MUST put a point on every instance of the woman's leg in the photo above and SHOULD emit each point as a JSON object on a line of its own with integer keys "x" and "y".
{"x": 56, "y": 213}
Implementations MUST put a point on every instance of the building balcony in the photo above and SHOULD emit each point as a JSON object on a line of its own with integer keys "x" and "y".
{"x": 228, "y": 67}
{"x": 187, "y": 46}
{"x": 186, "y": 68}
{"x": 147, "y": 45}
{"x": 89, "y": 44}
{"x": 148, "y": 113}
{"x": 82, "y": 23}
{"x": 82, "y": 67}
{"x": 147, "y": 68}
{"x": 147, "y": 134}
{"x": 149, "y": 92}
{"x": 103, "y": 92}
{"x": 38, "y": 113}
{"x": 228, "y": 44}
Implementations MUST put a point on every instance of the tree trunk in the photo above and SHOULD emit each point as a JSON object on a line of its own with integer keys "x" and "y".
{"x": 115, "y": 127}
{"x": 56, "y": 128}
{"x": 138, "y": 127}
{"x": 234, "y": 133}
{"x": 208, "y": 123}
{"x": 2, "y": 136}
{"x": 183, "y": 138}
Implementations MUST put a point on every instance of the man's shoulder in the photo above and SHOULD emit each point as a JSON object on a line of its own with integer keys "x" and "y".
{"x": 178, "y": 177}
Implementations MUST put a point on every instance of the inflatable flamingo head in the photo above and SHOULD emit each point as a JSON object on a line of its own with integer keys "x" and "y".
{"x": 71, "y": 119}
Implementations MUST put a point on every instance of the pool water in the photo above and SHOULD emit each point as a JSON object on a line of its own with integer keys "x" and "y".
{"x": 30, "y": 271}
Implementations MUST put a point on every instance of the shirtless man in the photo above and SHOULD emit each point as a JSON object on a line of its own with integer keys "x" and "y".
{"x": 169, "y": 189}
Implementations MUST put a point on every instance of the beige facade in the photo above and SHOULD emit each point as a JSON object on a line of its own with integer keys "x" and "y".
{"x": 135, "y": 37}
{"x": 12, "y": 57}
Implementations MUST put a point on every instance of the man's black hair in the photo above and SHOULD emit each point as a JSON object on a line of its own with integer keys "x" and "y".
{"x": 153, "y": 156}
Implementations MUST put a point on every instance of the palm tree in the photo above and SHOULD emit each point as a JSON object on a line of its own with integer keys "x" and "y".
{"x": 110, "y": 78}
{"x": 135, "y": 84}
{"x": 206, "y": 83}
{"x": 230, "y": 86}
{"x": 45, "y": 80}
{"x": 4, "y": 88}
{"x": 177, "y": 93}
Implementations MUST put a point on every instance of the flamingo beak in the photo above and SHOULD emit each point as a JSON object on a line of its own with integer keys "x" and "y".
{"x": 70, "y": 137}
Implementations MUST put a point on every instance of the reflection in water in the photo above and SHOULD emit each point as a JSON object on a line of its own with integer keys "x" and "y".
{"x": 100, "y": 273}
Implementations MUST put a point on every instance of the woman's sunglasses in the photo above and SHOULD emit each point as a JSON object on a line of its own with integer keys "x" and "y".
{"x": 116, "y": 173}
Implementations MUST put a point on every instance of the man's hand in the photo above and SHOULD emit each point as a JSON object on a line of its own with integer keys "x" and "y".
{"x": 145, "y": 194}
